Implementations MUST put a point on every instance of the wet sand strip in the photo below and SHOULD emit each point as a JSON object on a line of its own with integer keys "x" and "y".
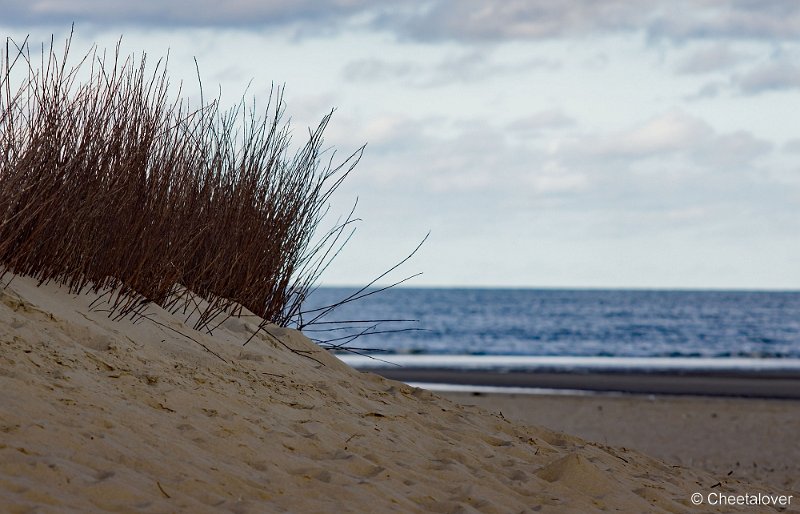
{"x": 745, "y": 384}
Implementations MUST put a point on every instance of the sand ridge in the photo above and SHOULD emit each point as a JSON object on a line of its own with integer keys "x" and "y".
{"x": 121, "y": 416}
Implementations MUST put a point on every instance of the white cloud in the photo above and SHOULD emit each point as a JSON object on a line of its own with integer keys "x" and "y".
{"x": 707, "y": 90}
{"x": 553, "y": 178}
{"x": 775, "y": 76}
{"x": 470, "y": 66}
{"x": 542, "y": 121}
{"x": 709, "y": 59}
{"x": 737, "y": 149}
{"x": 792, "y": 146}
{"x": 432, "y": 156}
{"x": 661, "y": 163}
{"x": 373, "y": 69}
{"x": 671, "y": 132}
{"x": 477, "y": 65}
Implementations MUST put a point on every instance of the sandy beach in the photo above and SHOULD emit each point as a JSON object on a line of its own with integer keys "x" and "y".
{"x": 785, "y": 386}
{"x": 150, "y": 416}
{"x": 751, "y": 439}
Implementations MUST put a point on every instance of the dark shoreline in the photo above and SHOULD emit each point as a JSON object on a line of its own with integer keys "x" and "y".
{"x": 781, "y": 385}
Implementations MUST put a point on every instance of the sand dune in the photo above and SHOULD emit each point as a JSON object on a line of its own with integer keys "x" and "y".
{"x": 102, "y": 415}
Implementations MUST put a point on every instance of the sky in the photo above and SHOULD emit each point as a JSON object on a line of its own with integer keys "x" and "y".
{"x": 625, "y": 144}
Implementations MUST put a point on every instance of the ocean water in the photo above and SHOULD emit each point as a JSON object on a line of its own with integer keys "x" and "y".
{"x": 575, "y": 323}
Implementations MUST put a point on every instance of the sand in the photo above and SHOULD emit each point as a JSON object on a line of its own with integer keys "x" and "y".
{"x": 752, "y": 439}
{"x": 738, "y": 384}
{"x": 98, "y": 415}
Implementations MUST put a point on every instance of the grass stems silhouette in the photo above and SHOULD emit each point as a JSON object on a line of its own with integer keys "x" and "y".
{"x": 112, "y": 183}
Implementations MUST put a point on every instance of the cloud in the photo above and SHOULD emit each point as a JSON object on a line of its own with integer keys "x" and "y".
{"x": 792, "y": 146}
{"x": 471, "y": 66}
{"x": 370, "y": 70}
{"x": 707, "y": 90}
{"x": 462, "y": 20}
{"x": 542, "y": 121}
{"x": 778, "y": 74}
{"x": 672, "y": 132}
{"x": 775, "y": 76}
{"x": 513, "y": 19}
{"x": 672, "y": 161}
{"x": 674, "y": 20}
{"x": 677, "y": 135}
{"x": 478, "y": 65}
{"x": 434, "y": 156}
{"x": 709, "y": 59}
{"x": 597, "y": 62}
{"x": 203, "y": 13}
{"x": 733, "y": 149}
{"x": 670, "y": 174}
{"x": 744, "y": 19}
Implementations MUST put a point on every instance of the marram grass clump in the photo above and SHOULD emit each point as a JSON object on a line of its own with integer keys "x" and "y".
{"x": 110, "y": 182}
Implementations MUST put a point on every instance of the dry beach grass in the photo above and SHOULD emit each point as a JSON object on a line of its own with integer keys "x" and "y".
{"x": 113, "y": 182}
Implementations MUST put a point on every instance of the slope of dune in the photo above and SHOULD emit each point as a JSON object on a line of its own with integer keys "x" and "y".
{"x": 151, "y": 416}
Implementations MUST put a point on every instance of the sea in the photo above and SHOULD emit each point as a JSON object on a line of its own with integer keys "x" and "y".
{"x": 568, "y": 325}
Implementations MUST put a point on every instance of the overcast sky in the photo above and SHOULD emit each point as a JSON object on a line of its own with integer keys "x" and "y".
{"x": 648, "y": 143}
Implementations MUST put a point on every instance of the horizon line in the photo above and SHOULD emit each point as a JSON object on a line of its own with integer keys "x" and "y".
{"x": 731, "y": 289}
